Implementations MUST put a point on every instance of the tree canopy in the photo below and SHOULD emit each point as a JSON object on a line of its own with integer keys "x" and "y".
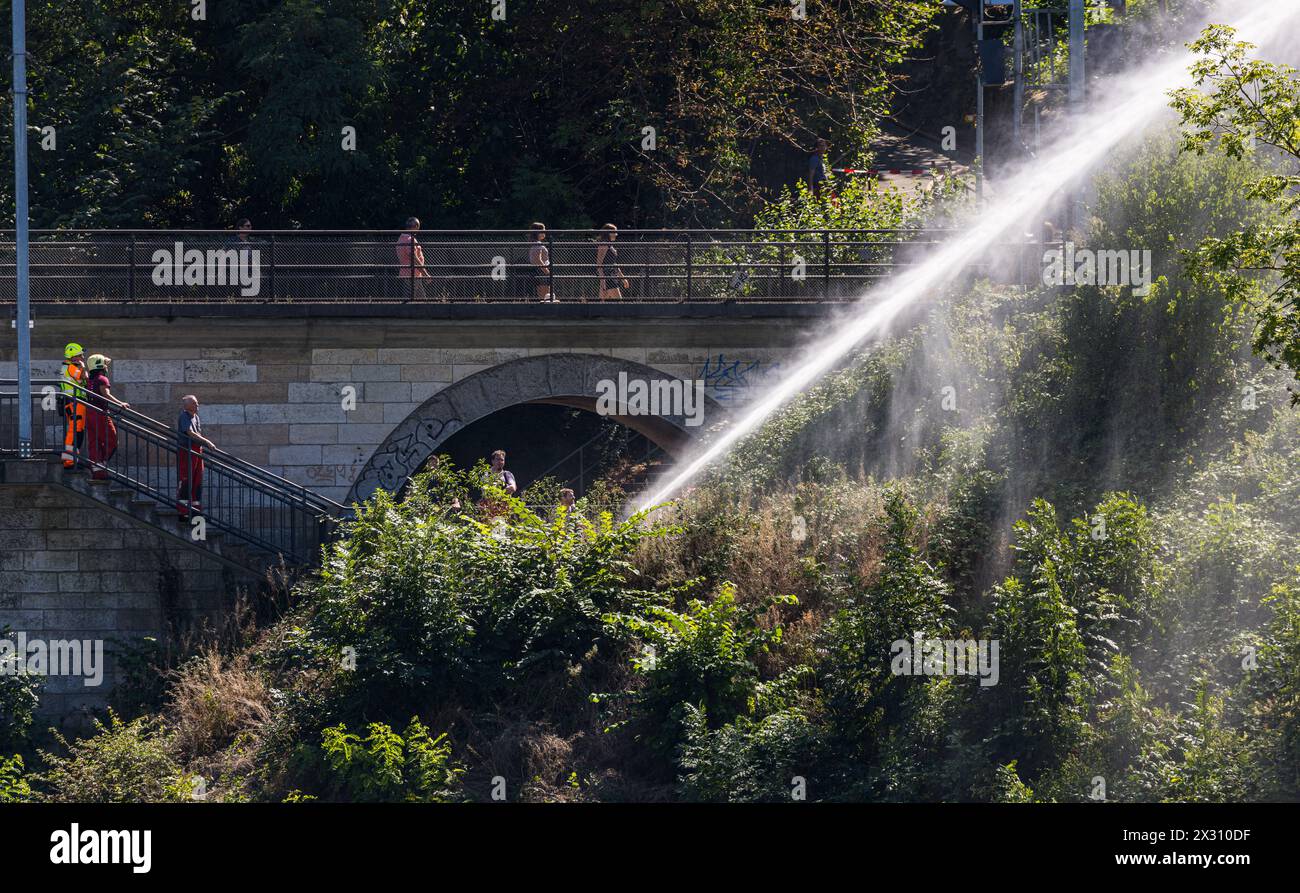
{"x": 460, "y": 117}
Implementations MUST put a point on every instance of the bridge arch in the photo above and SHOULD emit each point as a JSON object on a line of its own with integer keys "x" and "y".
{"x": 562, "y": 378}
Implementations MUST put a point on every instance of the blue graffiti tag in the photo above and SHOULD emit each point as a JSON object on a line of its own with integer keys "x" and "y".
{"x": 724, "y": 378}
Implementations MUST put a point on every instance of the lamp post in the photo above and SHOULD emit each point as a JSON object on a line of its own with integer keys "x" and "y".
{"x": 23, "y": 314}
{"x": 1077, "y": 96}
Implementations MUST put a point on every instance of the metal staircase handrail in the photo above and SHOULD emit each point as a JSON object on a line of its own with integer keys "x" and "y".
{"x": 323, "y": 503}
{"x": 147, "y": 460}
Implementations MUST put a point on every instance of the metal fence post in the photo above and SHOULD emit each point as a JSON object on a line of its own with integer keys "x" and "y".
{"x": 688, "y": 265}
{"x": 271, "y": 269}
{"x": 780, "y": 269}
{"x": 550, "y": 267}
{"x": 411, "y": 266}
{"x": 826, "y": 265}
{"x": 130, "y": 270}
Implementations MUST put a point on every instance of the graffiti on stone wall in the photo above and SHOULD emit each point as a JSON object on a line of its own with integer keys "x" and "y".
{"x": 405, "y": 451}
{"x": 734, "y": 380}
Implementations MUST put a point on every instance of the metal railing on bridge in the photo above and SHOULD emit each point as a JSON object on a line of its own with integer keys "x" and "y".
{"x": 238, "y": 498}
{"x": 330, "y": 266}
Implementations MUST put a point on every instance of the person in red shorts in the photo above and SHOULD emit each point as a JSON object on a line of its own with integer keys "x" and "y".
{"x": 190, "y": 444}
{"x": 100, "y": 430}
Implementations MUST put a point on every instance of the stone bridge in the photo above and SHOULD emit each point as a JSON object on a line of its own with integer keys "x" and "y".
{"x": 346, "y": 399}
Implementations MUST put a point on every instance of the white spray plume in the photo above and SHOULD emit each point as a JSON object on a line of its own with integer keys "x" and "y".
{"x": 1132, "y": 100}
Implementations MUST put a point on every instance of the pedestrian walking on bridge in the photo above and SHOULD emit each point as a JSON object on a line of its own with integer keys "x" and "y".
{"x": 612, "y": 282}
{"x": 410, "y": 261}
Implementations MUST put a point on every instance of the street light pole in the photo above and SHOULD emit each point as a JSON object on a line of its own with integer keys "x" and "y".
{"x": 1077, "y": 95}
{"x": 22, "y": 320}
{"x": 979, "y": 103}
{"x": 1019, "y": 101}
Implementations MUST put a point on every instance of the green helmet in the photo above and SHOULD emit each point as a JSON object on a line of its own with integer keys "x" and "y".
{"x": 72, "y": 350}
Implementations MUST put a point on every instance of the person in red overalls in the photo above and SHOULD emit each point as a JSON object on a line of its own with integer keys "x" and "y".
{"x": 100, "y": 430}
{"x": 190, "y": 443}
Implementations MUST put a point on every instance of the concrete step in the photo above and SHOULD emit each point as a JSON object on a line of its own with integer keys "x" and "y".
{"x": 159, "y": 514}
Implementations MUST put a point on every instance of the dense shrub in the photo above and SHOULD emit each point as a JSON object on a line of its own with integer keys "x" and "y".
{"x": 384, "y": 766}
{"x": 702, "y": 659}
{"x": 19, "y": 695}
{"x": 431, "y": 602}
{"x": 123, "y": 762}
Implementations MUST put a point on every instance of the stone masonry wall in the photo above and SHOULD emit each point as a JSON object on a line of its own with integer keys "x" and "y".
{"x": 71, "y": 569}
{"x": 271, "y": 391}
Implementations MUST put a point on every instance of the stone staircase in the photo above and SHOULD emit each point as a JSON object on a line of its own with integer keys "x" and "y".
{"x": 162, "y": 518}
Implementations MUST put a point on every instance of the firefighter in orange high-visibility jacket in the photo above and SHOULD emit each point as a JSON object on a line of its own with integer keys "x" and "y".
{"x": 72, "y": 402}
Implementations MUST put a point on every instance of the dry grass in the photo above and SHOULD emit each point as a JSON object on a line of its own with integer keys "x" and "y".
{"x": 213, "y": 700}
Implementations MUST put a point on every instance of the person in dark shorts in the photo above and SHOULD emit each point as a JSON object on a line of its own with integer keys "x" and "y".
{"x": 612, "y": 282}
{"x": 538, "y": 280}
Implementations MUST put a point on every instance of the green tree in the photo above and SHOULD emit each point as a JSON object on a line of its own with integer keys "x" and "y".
{"x": 1239, "y": 103}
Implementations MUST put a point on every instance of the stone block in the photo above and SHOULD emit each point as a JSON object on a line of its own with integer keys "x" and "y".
{"x": 461, "y": 371}
{"x": 80, "y": 582}
{"x": 388, "y": 392}
{"x": 219, "y": 371}
{"x": 40, "y": 601}
{"x": 365, "y": 414}
{"x": 22, "y": 539}
{"x": 376, "y": 372}
{"x": 475, "y": 355}
{"x": 217, "y": 413}
{"x": 333, "y": 373}
{"x": 143, "y": 394}
{"x": 137, "y": 600}
{"x": 406, "y": 355}
{"x": 300, "y": 454}
{"x": 345, "y": 454}
{"x": 30, "y": 581}
{"x": 293, "y": 413}
{"x": 338, "y": 356}
{"x": 301, "y": 392}
{"x": 149, "y": 370}
{"x": 319, "y": 434}
{"x": 367, "y": 434}
{"x": 25, "y": 620}
{"x": 97, "y": 620}
{"x": 423, "y": 390}
{"x": 426, "y": 372}
{"x": 50, "y": 561}
{"x": 236, "y": 392}
{"x": 267, "y": 372}
{"x": 228, "y": 436}
{"x": 397, "y": 412}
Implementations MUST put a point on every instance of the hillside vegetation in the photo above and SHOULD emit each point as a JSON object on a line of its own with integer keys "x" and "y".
{"x": 1112, "y": 498}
